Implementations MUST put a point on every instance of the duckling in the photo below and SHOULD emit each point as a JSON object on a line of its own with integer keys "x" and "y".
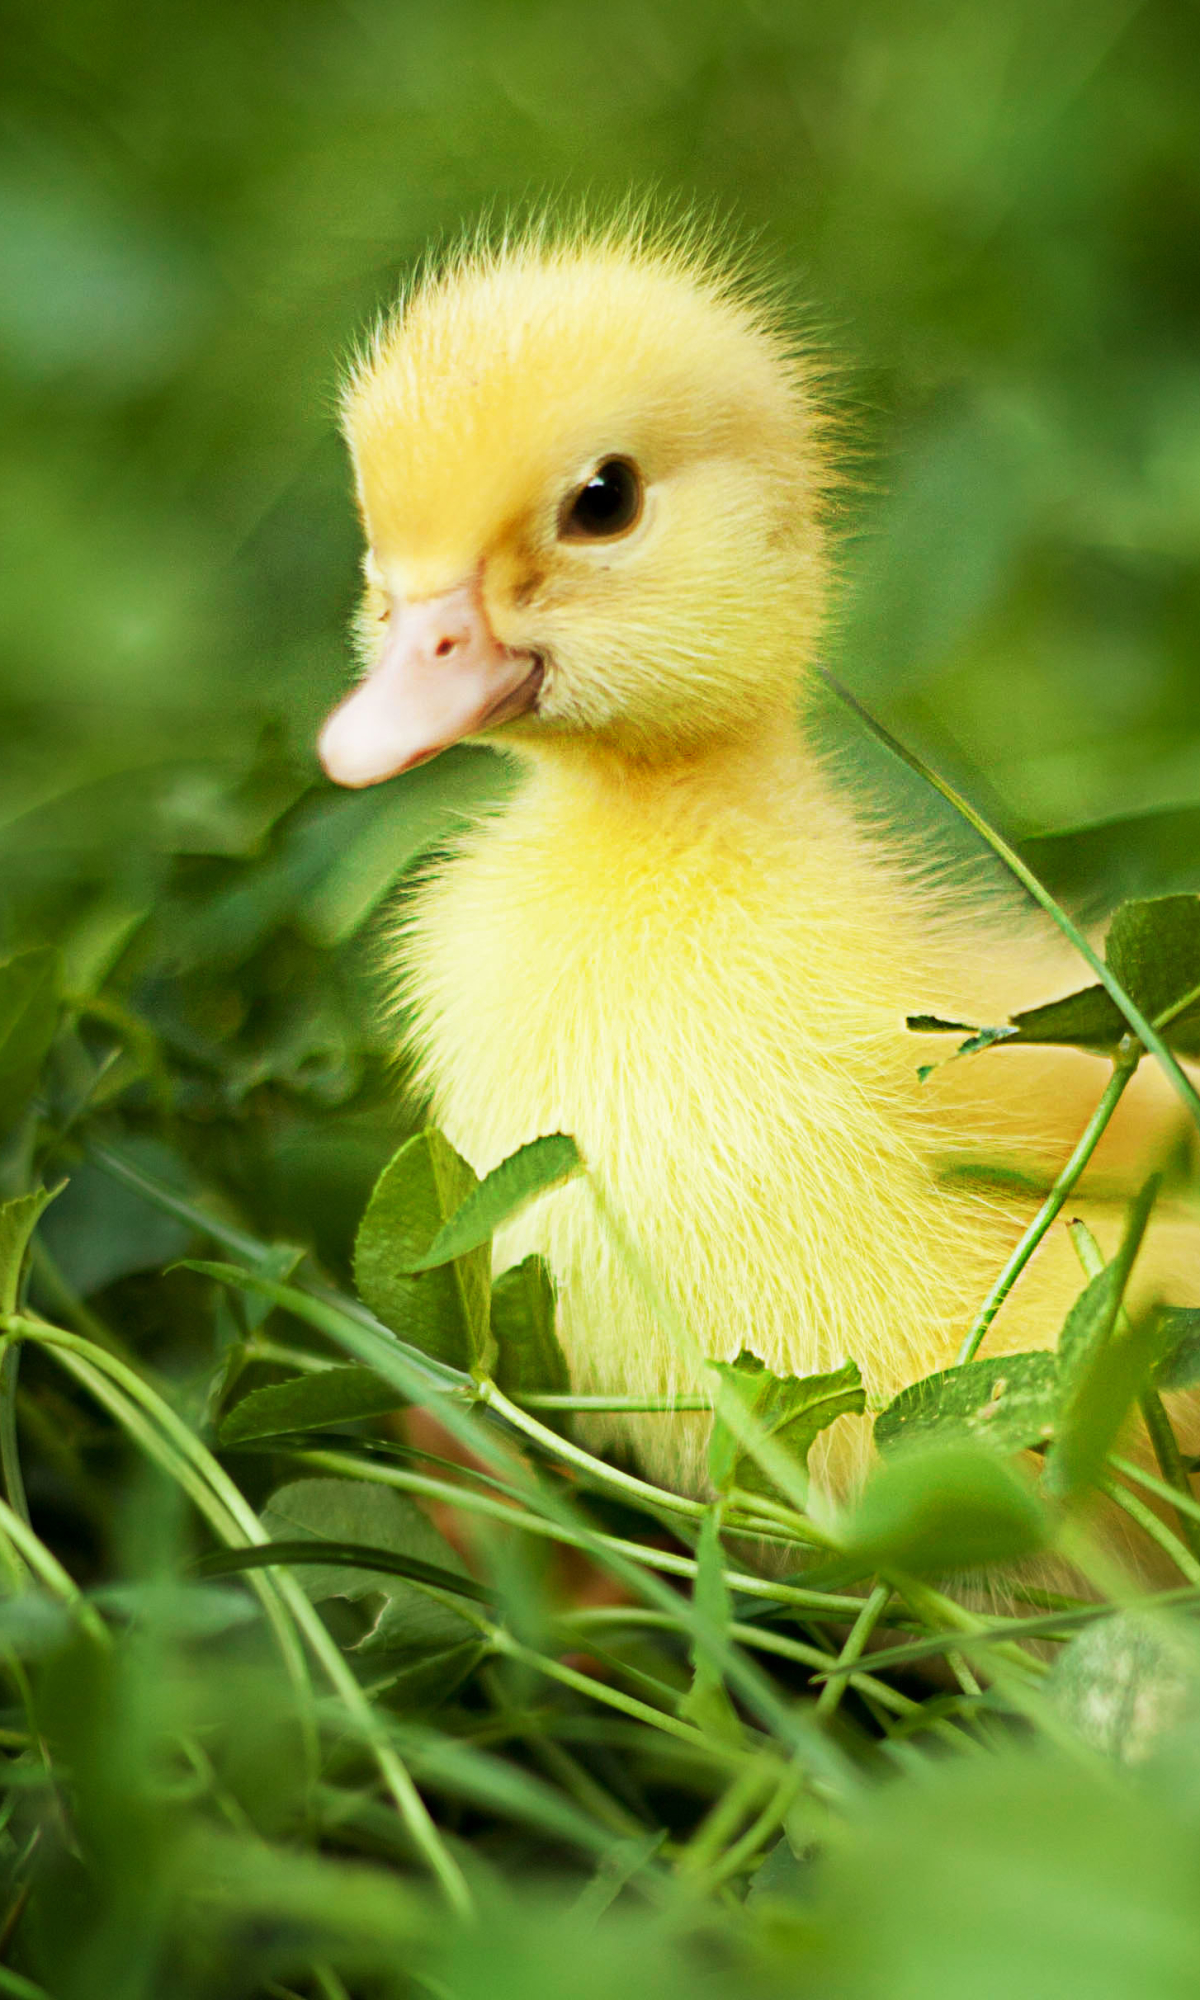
{"x": 594, "y": 475}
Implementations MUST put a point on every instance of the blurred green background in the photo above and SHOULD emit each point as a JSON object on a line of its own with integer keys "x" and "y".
{"x": 991, "y": 215}
{"x": 988, "y": 215}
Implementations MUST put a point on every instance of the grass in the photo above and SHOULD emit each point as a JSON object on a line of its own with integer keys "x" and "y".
{"x": 301, "y": 1701}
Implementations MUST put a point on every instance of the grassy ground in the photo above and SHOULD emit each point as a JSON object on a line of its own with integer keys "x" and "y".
{"x": 568, "y": 1746}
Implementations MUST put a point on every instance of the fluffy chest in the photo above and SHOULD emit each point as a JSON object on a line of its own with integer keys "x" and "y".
{"x": 696, "y": 1009}
{"x": 724, "y": 1037}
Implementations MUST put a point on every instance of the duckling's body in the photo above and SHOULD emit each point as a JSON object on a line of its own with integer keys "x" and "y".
{"x": 703, "y": 976}
{"x": 677, "y": 942}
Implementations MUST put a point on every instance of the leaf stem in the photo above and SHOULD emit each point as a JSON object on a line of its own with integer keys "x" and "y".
{"x": 51, "y": 1573}
{"x": 20, "y": 1988}
{"x": 722, "y": 1821}
{"x": 742, "y": 1852}
{"x": 384, "y": 1353}
{"x": 10, "y": 1454}
{"x": 1123, "y": 1071}
{"x": 868, "y": 1618}
{"x": 234, "y": 1513}
{"x": 1158, "y": 1531}
{"x": 1158, "y": 1424}
{"x": 611, "y": 1697}
{"x": 464, "y": 1497}
{"x": 667, "y": 1406}
{"x": 596, "y": 1468}
{"x": 1161, "y": 1433}
{"x": 759, "y": 1638}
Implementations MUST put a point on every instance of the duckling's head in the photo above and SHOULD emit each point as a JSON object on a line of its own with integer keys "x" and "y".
{"x": 590, "y": 472}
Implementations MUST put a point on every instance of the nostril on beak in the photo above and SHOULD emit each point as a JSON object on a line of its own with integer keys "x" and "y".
{"x": 444, "y": 648}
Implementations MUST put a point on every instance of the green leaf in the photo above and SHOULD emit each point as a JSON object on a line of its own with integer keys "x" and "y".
{"x": 790, "y": 1410}
{"x": 1093, "y": 1414}
{"x": 987, "y": 1038}
{"x": 273, "y": 1911}
{"x": 977, "y": 1039}
{"x": 1121, "y": 1685}
{"x": 430, "y": 1679}
{"x": 1089, "y": 1019}
{"x": 279, "y": 1262}
{"x": 1008, "y": 1404}
{"x": 309, "y": 1402}
{"x": 442, "y": 1310}
{"x": 358, "y": 1511}
{"x": 780, "y": 1874}
{"x": 1177, "y": 1333}
{"x": 184, "y": 1610}
{"x": 1154, "y": 949}
{"x": 532, "y": 1170}
{"x": 1102, "y": 1371}
{"x": 1138, "y": 854}
{"x": 623, "y": 1860}
{"x": 316, "y": 1553}
{"x": 529, "y": 1360}
{"x": 104, "y": 1228}
{"x": 945, "y": 1508}
{"x": 1089, "y": 1323}
{"x": 434, "y": 802}
{"x": 28, "y": 1018}
{"x": 932, "y": 1024}
{"x": 18, "y": 1220}
{"x": 33, "y": 1624}
{"x": 707, "y": 1702}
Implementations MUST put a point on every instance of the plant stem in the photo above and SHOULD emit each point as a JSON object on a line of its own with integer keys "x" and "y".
{"x": 10, "y": 1454}
{"x": 20, "y": 1988}
{"x": 760, "y": 1639}
{"x": 743, "y": 1851}
{"x": 1170, "y": 1459}
{"x": 832, "y": 1605}
{"x": 431, "y": 1372}
{"x": 1123, "y": 1071}
{"x": 47, "y": 1568}
{"x": 385, "y": 1355}
{"x": 868, "y": 1618}
{"x": 328, "y": 1984}
{"x": 579, "y": 1783}
{"x": 725, "y": 1816}
{"x": 1158, "y": 1531}
{"x": 666, "y": 1406}
{"x": 641, "y": 1711}
{"x": 1138, "y": 1473}
{"x": 1158, "y": 1424}
{"x": 605, "y": 1475}
{"x": 933, "y": 1608}
{"x": 655, "y": 1497}
{"x": 90, "y": 1361}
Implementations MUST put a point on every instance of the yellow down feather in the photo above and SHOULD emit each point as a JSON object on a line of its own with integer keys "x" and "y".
{"x": 679, "y": 941}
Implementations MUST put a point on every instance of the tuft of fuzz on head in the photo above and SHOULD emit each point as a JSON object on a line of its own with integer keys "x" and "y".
{"x": 513, "y": 370}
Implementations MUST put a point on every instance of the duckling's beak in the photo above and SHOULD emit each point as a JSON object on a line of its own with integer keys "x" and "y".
{"x": 442, "y": 675}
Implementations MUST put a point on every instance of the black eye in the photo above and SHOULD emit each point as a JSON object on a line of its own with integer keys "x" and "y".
{"x": 607, "y": 504}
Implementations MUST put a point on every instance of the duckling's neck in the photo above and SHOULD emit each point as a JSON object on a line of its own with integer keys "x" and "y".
{"x": 765, "y": 775}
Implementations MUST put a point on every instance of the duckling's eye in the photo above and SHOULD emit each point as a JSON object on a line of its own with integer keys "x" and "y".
{"x": 606, "y": 505}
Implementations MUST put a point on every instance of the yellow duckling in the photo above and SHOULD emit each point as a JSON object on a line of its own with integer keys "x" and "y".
{"x": 592, "y": 477}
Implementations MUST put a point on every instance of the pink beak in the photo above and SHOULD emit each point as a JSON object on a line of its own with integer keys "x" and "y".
{"x": 442, "y": 675}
